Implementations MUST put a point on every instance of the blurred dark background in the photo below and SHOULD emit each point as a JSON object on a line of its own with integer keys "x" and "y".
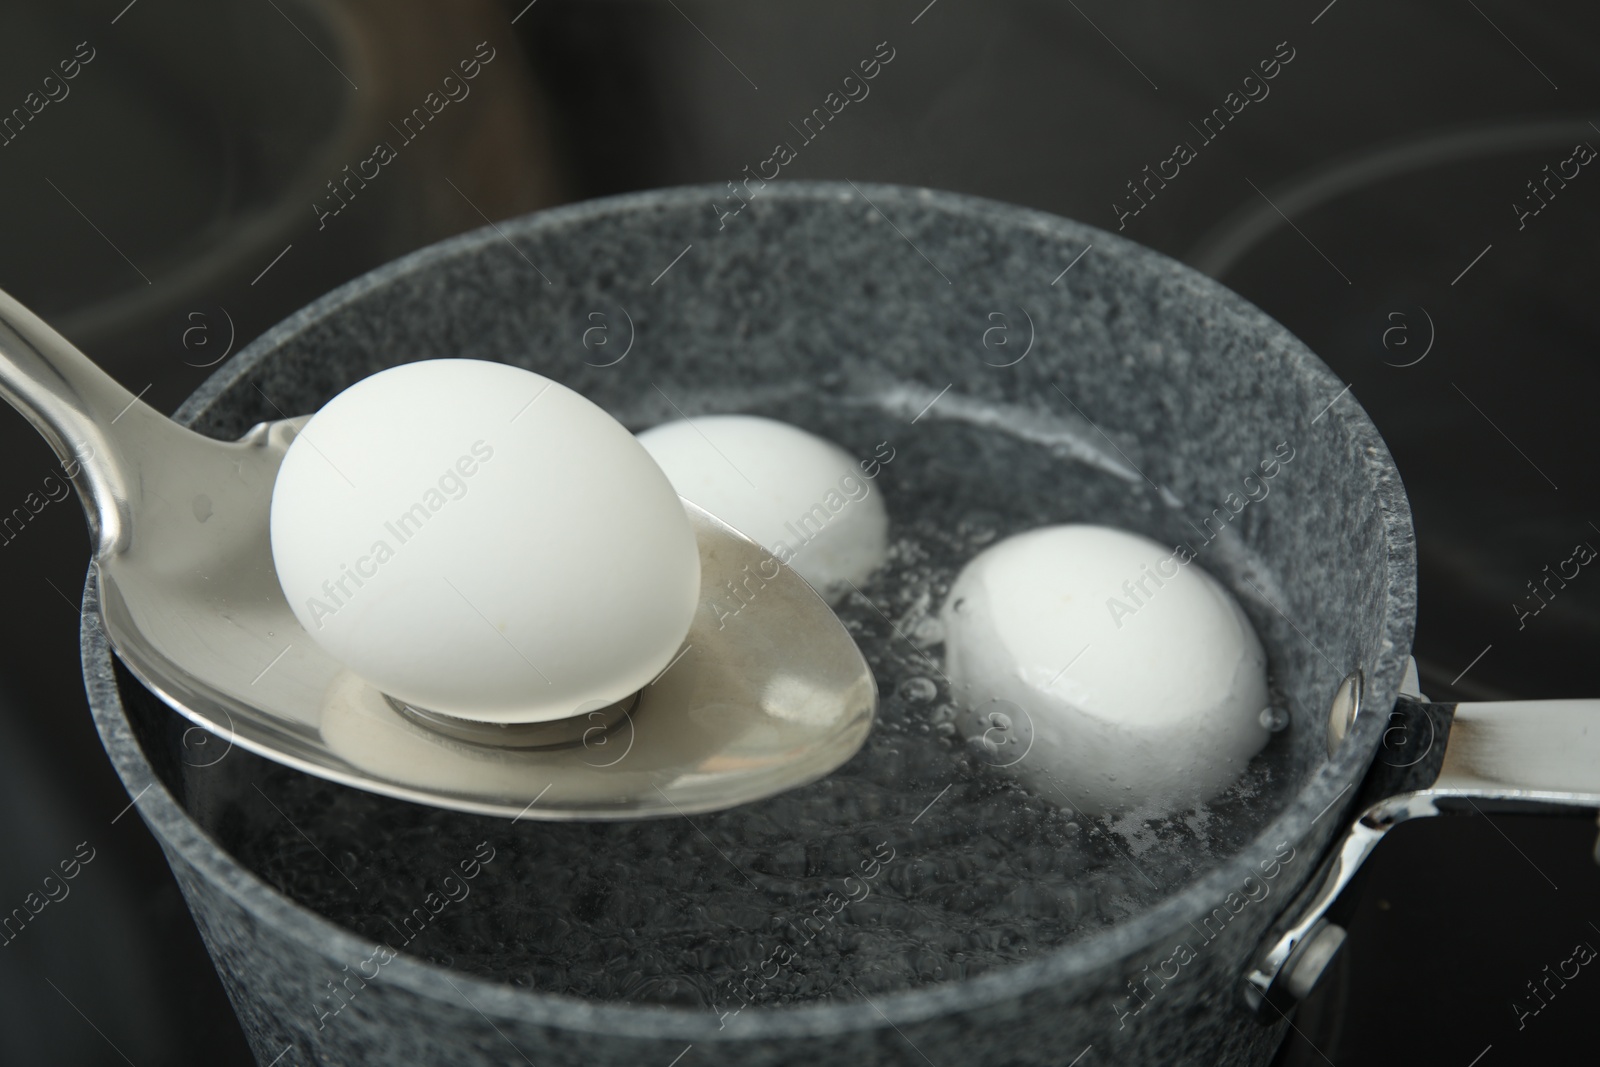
{"x": 157, "y": 207}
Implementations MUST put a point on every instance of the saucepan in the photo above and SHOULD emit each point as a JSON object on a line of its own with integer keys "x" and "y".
{"x": 928, "y": 902}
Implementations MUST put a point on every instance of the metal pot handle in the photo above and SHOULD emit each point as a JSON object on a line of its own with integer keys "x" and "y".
{"x": 1539, "y": 756}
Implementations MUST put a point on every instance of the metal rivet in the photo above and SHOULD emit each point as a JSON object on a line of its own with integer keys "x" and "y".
{"x": 1313, "y": 958}
{"x": 1346, "y": 706}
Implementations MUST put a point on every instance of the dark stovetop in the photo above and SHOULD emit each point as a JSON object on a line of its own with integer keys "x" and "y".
{"x": 1374, "y": 196}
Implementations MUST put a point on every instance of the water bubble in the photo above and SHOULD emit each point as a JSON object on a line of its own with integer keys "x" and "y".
{"x": 1274, "y": 718}
{"x": 979, "y": 527}
{"x": 928, "y": 631}
{"x": 920, "y": 690}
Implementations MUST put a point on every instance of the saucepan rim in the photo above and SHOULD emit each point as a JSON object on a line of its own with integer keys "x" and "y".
{"x": 1295, "y": 823}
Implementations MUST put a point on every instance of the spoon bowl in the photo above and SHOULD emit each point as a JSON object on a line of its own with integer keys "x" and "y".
{"x": 191, "y": 603}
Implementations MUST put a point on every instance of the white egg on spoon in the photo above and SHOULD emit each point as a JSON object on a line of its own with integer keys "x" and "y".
{"x": 1139, "y": 681}
{"x": 459, "y": 584}
{"x": 801, "y": 497}
{"x": 479, "y": 541}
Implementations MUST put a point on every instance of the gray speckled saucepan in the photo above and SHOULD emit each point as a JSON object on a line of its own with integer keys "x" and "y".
{"x": 847, "y": 310}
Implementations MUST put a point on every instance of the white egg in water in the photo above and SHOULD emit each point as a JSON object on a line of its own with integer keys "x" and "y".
{"x": 478, "y": 540}
{"x": 805, "y": 500}
{"x": 1104, "y": 668}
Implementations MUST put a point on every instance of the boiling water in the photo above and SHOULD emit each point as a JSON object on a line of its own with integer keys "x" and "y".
{"x": 920, "y": 861}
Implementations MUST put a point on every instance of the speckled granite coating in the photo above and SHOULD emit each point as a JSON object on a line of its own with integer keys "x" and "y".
{"x": 811, "y": 287}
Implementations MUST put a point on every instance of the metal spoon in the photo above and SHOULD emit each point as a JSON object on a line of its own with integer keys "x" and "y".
{"x": 191, "y": 603}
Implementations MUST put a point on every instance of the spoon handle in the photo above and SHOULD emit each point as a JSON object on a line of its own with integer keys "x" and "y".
{"x": 94, "y": 425}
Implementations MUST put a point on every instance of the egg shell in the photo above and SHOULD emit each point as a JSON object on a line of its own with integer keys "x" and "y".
{"x": 479, "y": 540}
{"x": 802, "y": 498}
{"x": 1138, "y": 678}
